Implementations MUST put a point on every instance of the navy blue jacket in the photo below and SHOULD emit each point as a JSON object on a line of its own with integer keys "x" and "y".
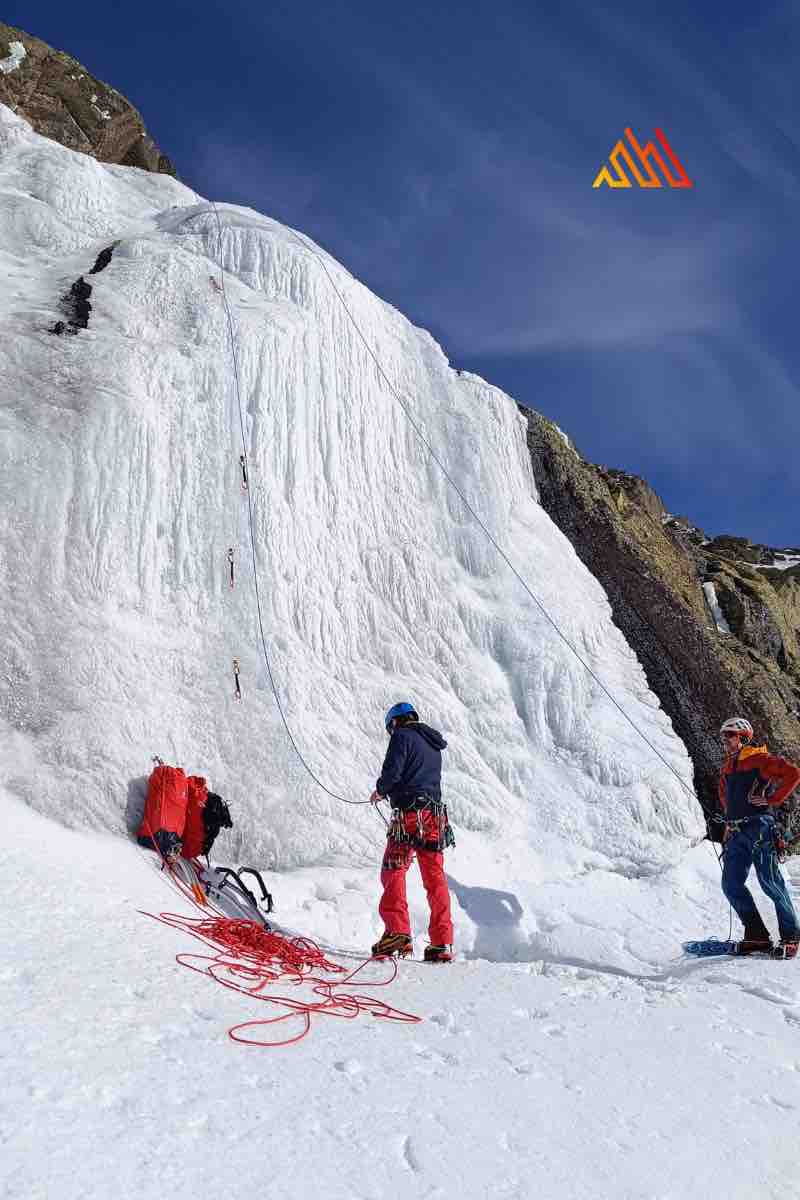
{"x": 413, "y": 765}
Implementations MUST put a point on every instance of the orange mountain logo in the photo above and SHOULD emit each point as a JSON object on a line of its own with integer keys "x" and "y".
{"x": 643, "y": 171}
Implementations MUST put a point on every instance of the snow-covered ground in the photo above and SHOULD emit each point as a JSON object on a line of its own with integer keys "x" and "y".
{"x": 668, "y": 1080}
{"x": 569, "y": 1051}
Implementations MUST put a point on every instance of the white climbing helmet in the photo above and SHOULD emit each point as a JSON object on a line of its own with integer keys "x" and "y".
{"x": 738, "y": 725}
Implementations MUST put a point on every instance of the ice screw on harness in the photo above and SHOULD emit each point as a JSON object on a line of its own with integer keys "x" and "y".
{"x": 244, "y": 472}
{"x": 230, "y": 560}
{"x": 236, "y": 678}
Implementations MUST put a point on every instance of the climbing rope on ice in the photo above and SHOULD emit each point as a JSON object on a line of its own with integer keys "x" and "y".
{"x": 251, "y": 525}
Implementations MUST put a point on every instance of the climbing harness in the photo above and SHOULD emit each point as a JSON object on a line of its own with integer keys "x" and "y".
{"x": 423, "y": 825}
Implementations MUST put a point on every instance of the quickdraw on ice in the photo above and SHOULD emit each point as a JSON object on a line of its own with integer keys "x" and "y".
{"x": 243, "y": 465}
{"x": 238, "y": 692}
{"x": 230, "y": 563}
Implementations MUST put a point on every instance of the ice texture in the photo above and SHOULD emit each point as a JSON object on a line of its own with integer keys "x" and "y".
{"x": 120, "y": 493}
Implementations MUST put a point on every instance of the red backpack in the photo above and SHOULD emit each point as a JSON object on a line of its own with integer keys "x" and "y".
{"x": 194, "y": 833}
{"x": 164, "y": 819}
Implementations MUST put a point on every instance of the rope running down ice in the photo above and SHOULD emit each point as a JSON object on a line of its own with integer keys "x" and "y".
{"x": 259, "y": 612}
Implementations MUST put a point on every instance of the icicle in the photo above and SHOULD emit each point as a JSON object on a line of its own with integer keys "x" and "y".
{"x": 244, "y": 472}
{"x": 236, "y": 678}
{"x": 230, "y": 560}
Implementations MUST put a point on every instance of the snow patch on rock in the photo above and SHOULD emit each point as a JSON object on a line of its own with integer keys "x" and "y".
{"x": 16, "y": 57}
{"x": 710, "y": 593}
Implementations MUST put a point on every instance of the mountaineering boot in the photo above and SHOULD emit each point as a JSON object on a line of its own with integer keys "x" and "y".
{"x": 753, "y": 946}
{"x": 786, "y": 949}
{"x": 756, "y": 939}
{"x": 393, "y": 943}
{"x": 440, "y": 954}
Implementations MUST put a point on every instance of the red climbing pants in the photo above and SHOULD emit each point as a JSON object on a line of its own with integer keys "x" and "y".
{"x": 393, "y": 907}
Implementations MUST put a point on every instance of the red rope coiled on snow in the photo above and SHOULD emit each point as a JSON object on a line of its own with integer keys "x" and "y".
{"x": 247, "y": 958}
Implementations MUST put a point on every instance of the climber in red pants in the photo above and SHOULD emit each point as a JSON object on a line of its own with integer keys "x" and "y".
{"x": 412, "y": 779}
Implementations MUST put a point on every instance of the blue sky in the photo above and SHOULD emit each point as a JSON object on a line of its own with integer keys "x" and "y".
{"x": 445, "y": 154}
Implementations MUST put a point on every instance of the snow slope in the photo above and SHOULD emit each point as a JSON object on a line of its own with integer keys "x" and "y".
{"x": 672, "y": 1082}
{"x": 120, "y": 494}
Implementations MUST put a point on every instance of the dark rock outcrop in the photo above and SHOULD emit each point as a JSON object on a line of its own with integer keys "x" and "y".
{"x": 76, "y": 308}
{"x": 653, "y": 568}
{"x": 74, "y": 304}
{"x": 62, "y": 101}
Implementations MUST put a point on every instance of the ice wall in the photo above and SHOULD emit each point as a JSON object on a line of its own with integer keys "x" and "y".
{"x": 120, "y": 494}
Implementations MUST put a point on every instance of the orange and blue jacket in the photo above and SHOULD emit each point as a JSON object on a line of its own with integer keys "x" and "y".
{"x": 752, "y": 771}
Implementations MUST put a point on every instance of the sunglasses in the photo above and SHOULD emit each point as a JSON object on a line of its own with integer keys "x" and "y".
{"x": 732, "y": 734}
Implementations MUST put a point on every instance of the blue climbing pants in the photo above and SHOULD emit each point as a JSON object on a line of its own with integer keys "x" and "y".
{"x": 753, "y": 845}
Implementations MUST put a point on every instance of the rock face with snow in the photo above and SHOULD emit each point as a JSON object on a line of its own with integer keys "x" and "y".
{"x": 120, "y": 494}
{"x": 654, "y": 570}
{"x": 62, "y": 101}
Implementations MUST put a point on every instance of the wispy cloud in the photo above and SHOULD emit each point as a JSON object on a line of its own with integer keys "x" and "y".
{"x": 469, "y": 206}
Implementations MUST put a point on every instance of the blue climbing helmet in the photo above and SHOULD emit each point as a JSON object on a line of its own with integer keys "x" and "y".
{"x": 403, "y": 709}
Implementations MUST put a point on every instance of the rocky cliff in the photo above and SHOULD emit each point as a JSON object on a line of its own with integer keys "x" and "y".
{"x": 715, "y": 623}
{"x": 62, "y": 101}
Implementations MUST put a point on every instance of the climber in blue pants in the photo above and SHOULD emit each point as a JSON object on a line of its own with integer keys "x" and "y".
{"x": 752, "y": 785}
{"x": 753, "y": 845}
